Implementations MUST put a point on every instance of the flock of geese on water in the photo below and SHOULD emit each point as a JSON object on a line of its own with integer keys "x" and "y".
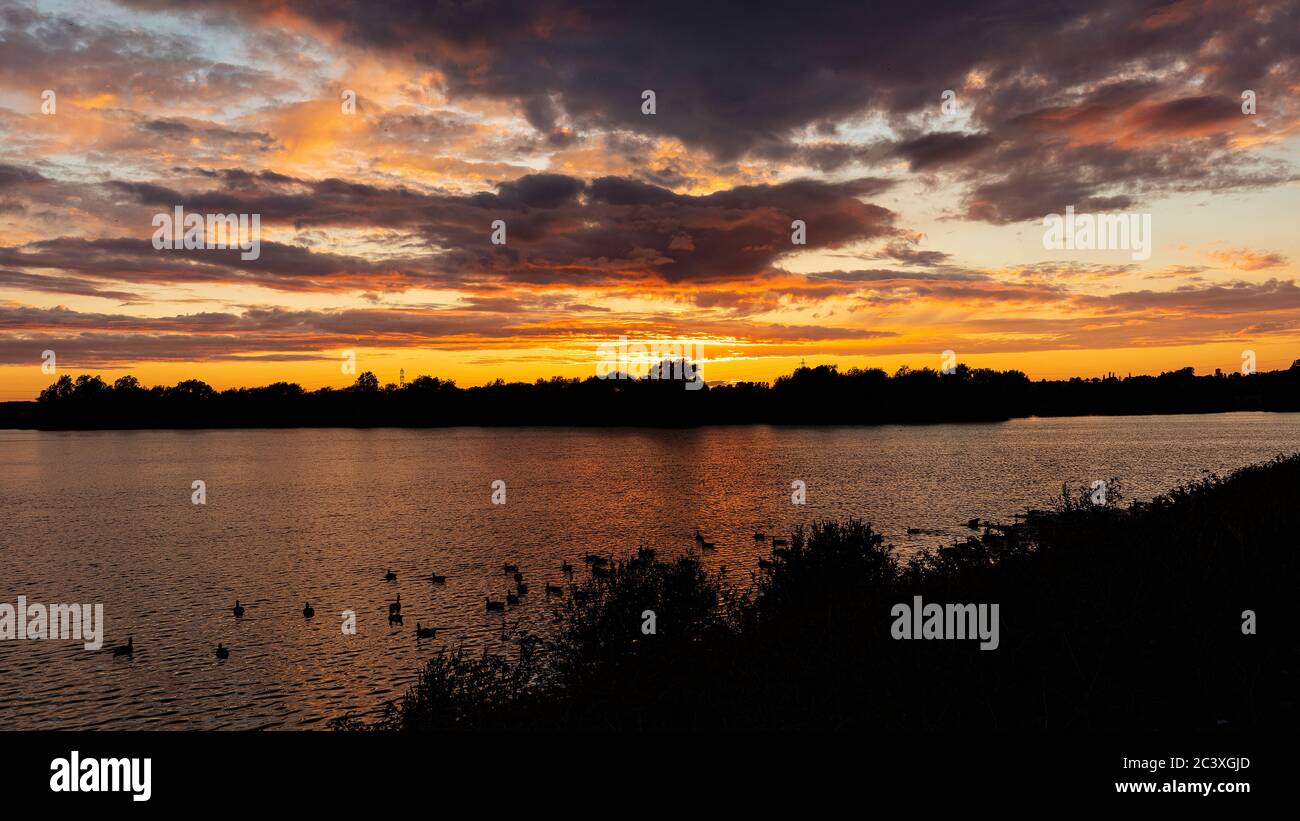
{"x": 601, "y": 568}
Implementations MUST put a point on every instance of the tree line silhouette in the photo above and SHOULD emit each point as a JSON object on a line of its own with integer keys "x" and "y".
{"x": 810, "y": 395}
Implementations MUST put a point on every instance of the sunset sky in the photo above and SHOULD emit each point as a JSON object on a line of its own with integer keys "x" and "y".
{"x": 924, "y": 225}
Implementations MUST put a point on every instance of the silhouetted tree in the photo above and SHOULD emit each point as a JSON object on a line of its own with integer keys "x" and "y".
{"x": 367, "y": 382}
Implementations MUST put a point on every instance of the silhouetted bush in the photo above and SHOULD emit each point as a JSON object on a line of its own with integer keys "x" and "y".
{"x": 1111, "y": 616}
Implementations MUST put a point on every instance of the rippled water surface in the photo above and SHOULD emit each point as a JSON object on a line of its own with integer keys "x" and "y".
{"x": 320, "y": 515}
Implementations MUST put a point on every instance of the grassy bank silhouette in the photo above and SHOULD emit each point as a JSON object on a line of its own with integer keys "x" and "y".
{"x": 1122, "y": 615}
{"x": 819, "y": 395}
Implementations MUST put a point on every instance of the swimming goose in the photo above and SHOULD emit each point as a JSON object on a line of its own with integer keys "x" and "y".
{"x": 390, "y": 576}
{"x": 521, "y": 589}
{"x": 307, "y": 611}
{"x": 510, "y": 568}
{"x": 395, "y": 607}
{"x": 494, "y": 605}
{"x": 222, "y": 652}
{"x": 566, "y": 567}
{"x": 425, "y": 632}
{"x": 238, "y": 609}
{"x": 511, "y": 598}
{"x": 125, "y": 649}
{"x": 436, "y": 579}
{"x": 519, "y": 577}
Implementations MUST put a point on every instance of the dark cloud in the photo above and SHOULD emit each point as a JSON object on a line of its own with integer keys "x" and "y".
{"x": 83, "y": 339}
{"x": 1188, "y": 114}
{"x": 13, "y": 176}
{"x": 888, "y": 275}
{"x": 76, "y": 58}
{"x": 909, "y": 254}
{"x": 533, "y": 191}
{"x": 187, "y": 130}
{"x": 941, "y": 148}
{"x": 1239, "y": 299}
{"x": 1113, "y": 146}
{"x": 560, "y": 231}
{"x": 280, "y": 266}
{"x": 79, "y": 286}
{"x": 737, "y": 80}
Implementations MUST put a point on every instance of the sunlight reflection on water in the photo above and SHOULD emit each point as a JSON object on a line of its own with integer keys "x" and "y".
{"x": 320, "y": 515}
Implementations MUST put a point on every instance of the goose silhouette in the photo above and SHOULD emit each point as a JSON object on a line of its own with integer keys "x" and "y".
{"x": 238, "y": 609}
{"x": 390, "y": 576}
{"x": 425, "y": 632}
{"x": 511, "y": 598}
{"x": 395, "y": 607}
{"x": 125, "y": 649}
{"x": 222, "y": 652}
{"x": 307, "y": 611}
{"x": 436, "y": 579}
{"x": 494, "y": 605}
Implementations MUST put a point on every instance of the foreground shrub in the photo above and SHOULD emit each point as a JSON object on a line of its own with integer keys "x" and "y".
{"x": 1112, "y": 616}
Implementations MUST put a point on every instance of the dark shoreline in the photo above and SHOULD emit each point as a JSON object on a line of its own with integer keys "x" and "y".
{"x": 808, "y": 396}
{"x": 10, "y": 423}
